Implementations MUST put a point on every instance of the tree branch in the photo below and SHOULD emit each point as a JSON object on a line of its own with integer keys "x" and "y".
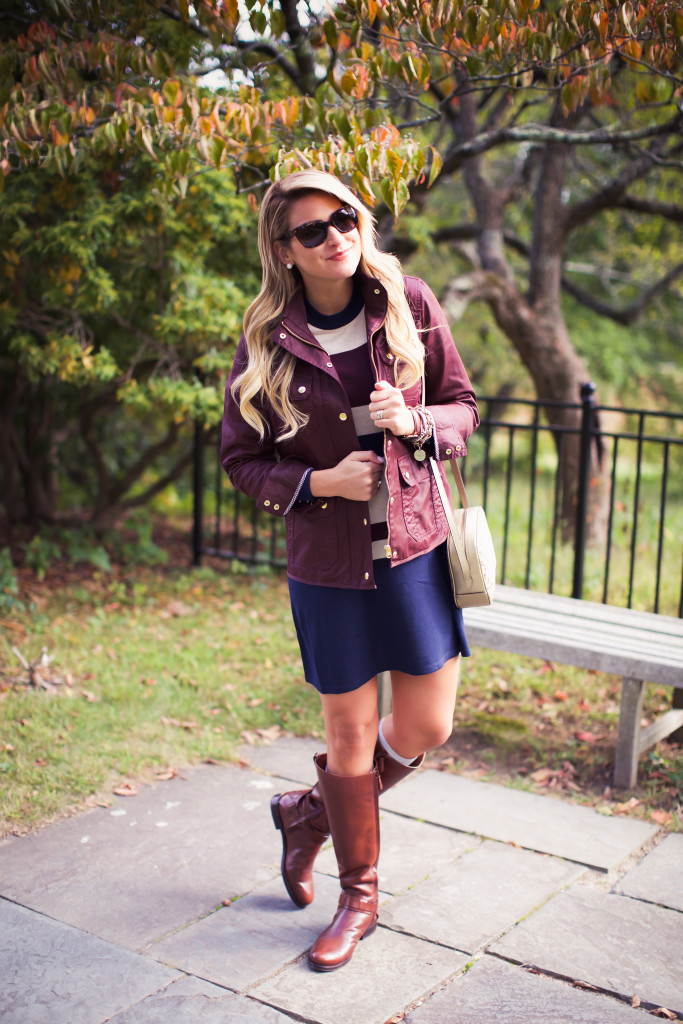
{"x": 629, "y": 314}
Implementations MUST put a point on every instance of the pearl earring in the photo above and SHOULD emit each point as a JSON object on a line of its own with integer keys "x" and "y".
{"x": 289, "y": 266}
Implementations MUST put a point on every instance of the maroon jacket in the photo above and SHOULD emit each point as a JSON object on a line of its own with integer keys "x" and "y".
{"x": 328, "y": 542}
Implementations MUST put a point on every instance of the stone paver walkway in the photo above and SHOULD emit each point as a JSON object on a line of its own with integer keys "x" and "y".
{"x": 496, "y": 906}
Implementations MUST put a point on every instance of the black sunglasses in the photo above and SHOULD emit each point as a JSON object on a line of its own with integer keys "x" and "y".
{"x": 314, "y": 232}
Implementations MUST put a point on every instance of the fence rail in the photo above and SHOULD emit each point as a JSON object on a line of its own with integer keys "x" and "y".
{"x": 624, "y": 544}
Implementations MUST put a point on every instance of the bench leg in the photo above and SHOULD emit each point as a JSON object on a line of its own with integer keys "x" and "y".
{"x": 628, "y": 739}
{"x": 384, "y": 694}
{"x": 677, "y": 703}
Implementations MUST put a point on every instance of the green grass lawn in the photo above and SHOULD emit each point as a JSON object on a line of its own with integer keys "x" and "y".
{"x": 138, "y": 673}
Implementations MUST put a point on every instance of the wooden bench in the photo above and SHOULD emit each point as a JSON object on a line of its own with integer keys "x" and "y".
{"x": 641, "y": 647}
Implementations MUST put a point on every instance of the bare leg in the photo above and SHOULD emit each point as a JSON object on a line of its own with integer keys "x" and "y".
{"x": 422, "y": 709}
{"x": 351, "y": 729}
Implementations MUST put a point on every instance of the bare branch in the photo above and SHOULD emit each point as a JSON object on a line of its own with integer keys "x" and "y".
{"x": 629, "y": 314}
{"x": 669, "y": 211}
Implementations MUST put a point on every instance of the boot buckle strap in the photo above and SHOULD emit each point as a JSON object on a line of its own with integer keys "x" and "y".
{"x": 357, "y": 903}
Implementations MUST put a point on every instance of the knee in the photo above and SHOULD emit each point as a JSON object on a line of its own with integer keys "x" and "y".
{"x": 351, "y": 739}
{"x": 424, "y": 734}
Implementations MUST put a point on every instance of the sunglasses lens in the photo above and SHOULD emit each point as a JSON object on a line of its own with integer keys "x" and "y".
{"x": 344, "y": 220}
{"x": 314, "y": 234}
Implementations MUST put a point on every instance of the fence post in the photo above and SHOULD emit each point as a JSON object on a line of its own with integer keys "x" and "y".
{"x": 198, "y": 495}
{"x": 585, "y": 449}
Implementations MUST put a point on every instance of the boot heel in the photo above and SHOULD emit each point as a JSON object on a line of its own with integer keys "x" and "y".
{"x": 275, "y": 811}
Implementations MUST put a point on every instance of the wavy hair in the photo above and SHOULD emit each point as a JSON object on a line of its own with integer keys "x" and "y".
{"x": 269, "y": 368}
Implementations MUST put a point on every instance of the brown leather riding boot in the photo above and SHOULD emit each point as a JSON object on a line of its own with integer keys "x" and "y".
{"x": 302, "y": 819}
{"x": 353, "y": 816}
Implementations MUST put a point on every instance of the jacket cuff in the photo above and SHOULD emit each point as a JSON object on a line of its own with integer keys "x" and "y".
{"x": 303, "y": 494}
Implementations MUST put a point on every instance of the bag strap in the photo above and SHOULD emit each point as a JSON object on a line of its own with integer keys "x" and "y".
{"x": 439, "y": 482}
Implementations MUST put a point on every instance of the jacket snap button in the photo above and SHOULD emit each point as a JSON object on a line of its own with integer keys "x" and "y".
{"x": 449, "y": 451}
{"x": 302, "y": 390}
{"x": 283, "y": 336}
{"x": 324, "y": 505}
{"x": 343, "y": 416}
{"x": 395, "y": 554}
{"x": 367, "y": 576}
{"x": 458, "y": 447}
{"x": 390, "y": 356}
{"x": 329, "y": 364}
{"x": 266, "y": 502}
{"x": 377, "y": 291}
{"x": 365, "y": 522}
{"x": 276, "y": 507}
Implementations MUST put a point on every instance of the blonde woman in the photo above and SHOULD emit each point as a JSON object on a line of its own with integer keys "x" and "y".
{"x": 325, "y": 424}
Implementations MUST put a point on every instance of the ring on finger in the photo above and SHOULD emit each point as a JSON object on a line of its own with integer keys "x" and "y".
{"x": 379, "y": 415}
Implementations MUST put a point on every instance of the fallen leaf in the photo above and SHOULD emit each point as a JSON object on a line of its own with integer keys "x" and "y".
{"x": 585, "y": 737}
{"x": 662, "y": 1011}
{"x": 273, "y": 733}
{"x": 40, "y": 762}
{"x": 126, "y": 789}
{"x": 165, "y": 774}
{"x": 90, "y": 697}
{"x": 542, "y": 775}
{"x": 584, "y": 985}
{"x": 661, "y": 817}
{"x": 635, "y": 1001}
{"x": 561, "y": 695}
{"x": 176, "y": 609}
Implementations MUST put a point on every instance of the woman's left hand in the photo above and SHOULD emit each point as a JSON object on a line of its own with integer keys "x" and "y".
{"x": 388, "y": 409}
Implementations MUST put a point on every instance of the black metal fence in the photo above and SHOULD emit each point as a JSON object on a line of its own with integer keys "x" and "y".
{"x": 621, "y": 543}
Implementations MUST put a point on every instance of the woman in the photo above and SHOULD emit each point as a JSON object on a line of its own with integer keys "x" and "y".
{"x": 325, "y": 424}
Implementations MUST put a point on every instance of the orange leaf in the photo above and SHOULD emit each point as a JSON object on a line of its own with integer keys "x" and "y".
{"x": 126, "y": 789}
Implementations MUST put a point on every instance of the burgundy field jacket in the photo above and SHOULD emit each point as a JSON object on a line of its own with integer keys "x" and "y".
{"x": 328, "y": 541}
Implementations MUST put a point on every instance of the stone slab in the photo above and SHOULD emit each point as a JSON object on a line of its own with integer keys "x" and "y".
{"x": 494, "y": 991}
{"x": 535, "y": 822}
{"x": 155, "y": 861}
{"x": 256, "y": 936}
{"x": 290, "y": 757}
{"x": 615, "y": 943}
{"x": 659, "y": 876}
{"x": 387, "y": 974}
{"x": 410, "y": 851}
{"x": 473, "y": 901}
{"x": 191, "y": 1001}
{"x": 51, "y": 973}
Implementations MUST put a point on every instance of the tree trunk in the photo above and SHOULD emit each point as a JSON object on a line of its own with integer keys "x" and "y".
{"x": 534, "y": 323}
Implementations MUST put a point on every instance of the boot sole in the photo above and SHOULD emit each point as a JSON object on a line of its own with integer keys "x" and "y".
{"x": 335, "y": 967}
{"x": 277, "y": 820}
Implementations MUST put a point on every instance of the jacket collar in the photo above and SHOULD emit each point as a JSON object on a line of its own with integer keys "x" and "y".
{"x": 293, "y": 333}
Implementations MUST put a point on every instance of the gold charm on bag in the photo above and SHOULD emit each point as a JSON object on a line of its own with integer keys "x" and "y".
{"x": 419, "y": 455}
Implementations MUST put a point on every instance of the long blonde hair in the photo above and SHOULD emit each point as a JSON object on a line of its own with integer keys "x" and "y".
{"x": 270, "y": 368}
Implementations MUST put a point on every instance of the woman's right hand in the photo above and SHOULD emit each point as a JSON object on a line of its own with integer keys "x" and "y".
{"x": 356, "y": 477}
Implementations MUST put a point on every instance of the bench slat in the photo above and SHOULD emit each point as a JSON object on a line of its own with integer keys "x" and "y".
{"x": 581, "y": 633}
{"x": 660, "y": 625}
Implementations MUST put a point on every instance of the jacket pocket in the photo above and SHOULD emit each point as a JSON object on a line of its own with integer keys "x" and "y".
{"x": 312, "y": 541}
{"x": 417, "y": 498}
